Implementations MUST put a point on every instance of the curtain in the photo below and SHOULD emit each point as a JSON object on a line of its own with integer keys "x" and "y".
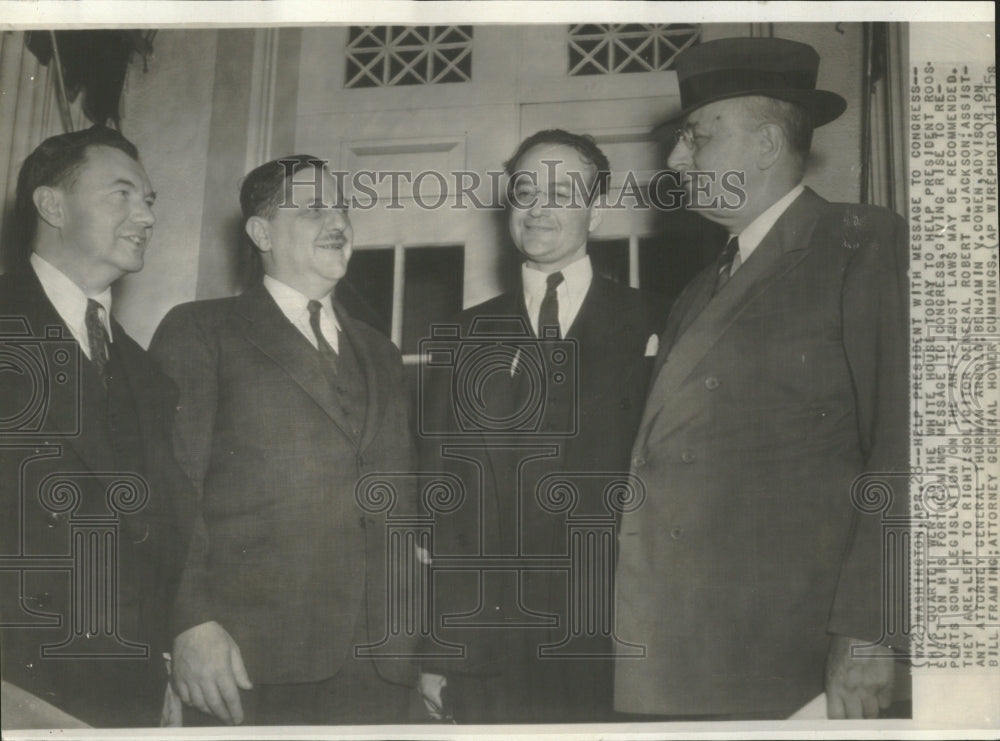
{"x": 883, "y": 139}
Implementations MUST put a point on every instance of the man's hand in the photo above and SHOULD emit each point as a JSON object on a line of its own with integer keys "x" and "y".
{"x": 856, "y": 686}
{"x": 208, "y": 669}
{"x": 430, "y": 686}
{"x": 172, "y": 715}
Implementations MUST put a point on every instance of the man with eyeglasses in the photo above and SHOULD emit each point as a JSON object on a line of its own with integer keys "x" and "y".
{"x": 753, "y": 575}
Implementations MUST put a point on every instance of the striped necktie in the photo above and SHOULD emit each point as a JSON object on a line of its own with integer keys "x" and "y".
{"x": 726, "y": 263}
{"x": 97, "y": 336}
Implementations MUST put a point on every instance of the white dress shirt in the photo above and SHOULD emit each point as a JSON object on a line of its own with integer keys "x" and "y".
{"x": 70, "y": 301}
{"x": 295, "y": 306}
{"x": 577, "y": 277}
{"x": 755, "y": 232}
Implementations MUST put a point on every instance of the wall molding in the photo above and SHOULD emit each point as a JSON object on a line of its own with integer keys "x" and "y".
{"x": 263, "y": 87}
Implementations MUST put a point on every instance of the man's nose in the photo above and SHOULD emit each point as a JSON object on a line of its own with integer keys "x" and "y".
{"x": 336, "y": 220}
{"x": 680, "y": 157}
{"x": 143, "y": 214}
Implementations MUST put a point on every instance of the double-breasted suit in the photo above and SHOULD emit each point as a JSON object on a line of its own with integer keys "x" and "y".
{"x": 283, "y": 556}
{"x": 768, "y": 401}
{"x": 582, "y": 436}
{"x": 81, "y": 459}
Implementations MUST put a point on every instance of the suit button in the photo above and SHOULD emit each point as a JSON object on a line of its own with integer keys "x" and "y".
{"x": 711, "y": 383}
{"x": 638, "y": 461}
{"x": 676, "y": 533}
{"x": 687, "y": 456}
{"x": 53, "y": 518}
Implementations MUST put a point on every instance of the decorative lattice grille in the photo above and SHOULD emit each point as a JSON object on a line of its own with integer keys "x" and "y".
{"x": 385, "y": 56}
{"x": 601, "y": 49}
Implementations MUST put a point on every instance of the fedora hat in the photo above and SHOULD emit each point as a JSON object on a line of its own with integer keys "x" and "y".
{"x": 738, "y": 67}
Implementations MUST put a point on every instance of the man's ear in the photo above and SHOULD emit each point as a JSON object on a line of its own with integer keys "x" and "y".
{"x": 48, "y": 203}
{"x": 771, "y": 140}
{"x": 256, "y": 228}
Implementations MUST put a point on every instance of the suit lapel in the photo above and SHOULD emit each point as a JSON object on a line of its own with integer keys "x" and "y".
{"x": 270, "y": 331}
{"x": 375, "y": 374}
{"x": 41, "y": 315}
{"x": 508, "y": 394}
{"x": 694, "y": 304}
{"x": 135, "y": 366}
{"x": 598, "y": 325}
{"x": 709, "y": 318}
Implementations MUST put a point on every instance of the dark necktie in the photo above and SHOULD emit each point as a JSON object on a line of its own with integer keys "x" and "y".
{"x": 97, "y": 336}
{"x": 726, "y": 263}
{"x": 548, "y": 313}
{"x": 325, "y": 350}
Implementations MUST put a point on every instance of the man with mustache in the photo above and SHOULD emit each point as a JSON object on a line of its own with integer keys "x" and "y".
{"x": 97, "y": 444}
{"x": 286, "y": 402}
{"x": 753, "y": 575}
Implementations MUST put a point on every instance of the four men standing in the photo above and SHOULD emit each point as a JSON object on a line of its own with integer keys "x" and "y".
{"x": 743, "y": 577}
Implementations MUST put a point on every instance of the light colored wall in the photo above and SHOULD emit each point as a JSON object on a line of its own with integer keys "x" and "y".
{"x": 167, "y": 112}
{"x": 835, "y": 165}
{"x": 188, "y": 116}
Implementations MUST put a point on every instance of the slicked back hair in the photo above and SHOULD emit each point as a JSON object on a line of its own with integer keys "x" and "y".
{"x": 262, "y": 191}
{"x": 55, "y": 162}
{"x": 263, "y": 188}
{"x": 585, "y": 146}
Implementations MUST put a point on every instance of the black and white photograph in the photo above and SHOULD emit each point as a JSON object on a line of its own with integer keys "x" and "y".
{"x": 497, "y": 369}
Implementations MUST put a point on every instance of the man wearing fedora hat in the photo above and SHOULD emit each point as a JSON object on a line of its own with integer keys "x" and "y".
{"x": 753, "y": 573}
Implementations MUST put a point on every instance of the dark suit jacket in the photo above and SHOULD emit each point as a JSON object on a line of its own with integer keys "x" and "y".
{"x": 587, "y": 428}
{"x": 767, "y": 402}
{"x": 93, "y": 436}
{"x": 282, "y": 555}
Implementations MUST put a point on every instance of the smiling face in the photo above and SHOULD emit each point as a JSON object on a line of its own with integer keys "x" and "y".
{"x": 103, "y": 217}
{"x": 549, "y": 216}
{"x": 307, "y": 243}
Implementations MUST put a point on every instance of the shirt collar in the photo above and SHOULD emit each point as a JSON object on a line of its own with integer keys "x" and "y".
{"x": 755, "y": 232}
{"x": 67, "y": 297}
{"x": 293, "y": 303}
{"x": 577, "y": 277}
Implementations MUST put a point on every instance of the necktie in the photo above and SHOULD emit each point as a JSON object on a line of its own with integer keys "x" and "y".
{"x": 97, "y": 336}
{"x": 726, "y": 263}
{"x": 324, "y": 347}
{"x": 548, "y": 313}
